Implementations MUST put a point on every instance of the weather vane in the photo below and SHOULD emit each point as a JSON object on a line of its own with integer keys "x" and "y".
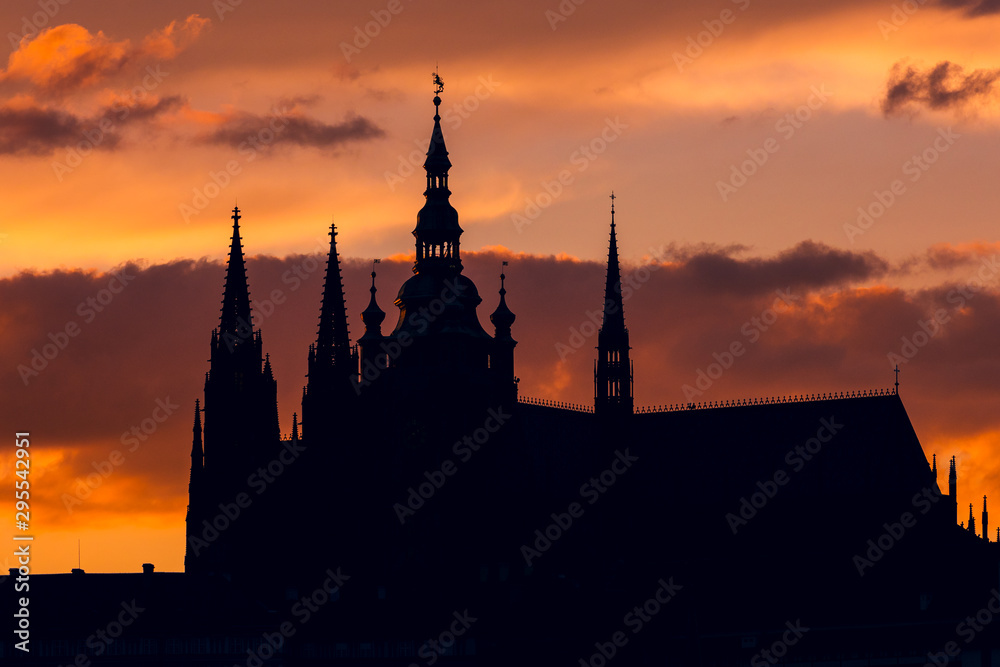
{"x": 438, "y": 83}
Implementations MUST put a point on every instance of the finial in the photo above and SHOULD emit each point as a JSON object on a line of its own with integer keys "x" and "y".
{"x": 438, "y": 87}
{"x": 236, "y": 215}
{"x": 613, "y": 208}
{"x": 503, "y": 277}
{"x": 897, "y": 377}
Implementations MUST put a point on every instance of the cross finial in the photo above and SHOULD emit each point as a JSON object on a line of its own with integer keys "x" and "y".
{"x": 236, "y": 215}
{"x": 896, "y": 370}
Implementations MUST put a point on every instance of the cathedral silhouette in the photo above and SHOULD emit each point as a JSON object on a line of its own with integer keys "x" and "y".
{"x": 422, "y": 511}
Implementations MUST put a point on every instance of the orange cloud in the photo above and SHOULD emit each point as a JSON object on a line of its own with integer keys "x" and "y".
{"x": 69, "y": 57}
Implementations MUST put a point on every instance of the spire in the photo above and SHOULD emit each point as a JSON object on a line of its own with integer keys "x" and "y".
{"x": 972, "y": 521}
{"x": 333, "y": 340}
{"x": 197, "y": 451}
{"x": 236, "y": 323}
{"x": 986, "y": 521}
{"x": 295, "y": 427}
{"x": 934, "y": 466}
{"x": 614, "y": 315}
{"x": 502, "y": 317}
{"x": 373, "y": 316}
{"x": 437, "y": 232}
{"x": 613, "y": 371}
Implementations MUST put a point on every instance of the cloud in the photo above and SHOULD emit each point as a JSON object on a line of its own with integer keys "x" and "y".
{"x": 808, "y": 264}
{"x": 944, "y": 86}
{"x": 145, "y": 340}
{"x": 68, "y": 57}
{"x": 974, "y": 8}
{"x": 288, "y": 126}
{"x": 27, "y": 128}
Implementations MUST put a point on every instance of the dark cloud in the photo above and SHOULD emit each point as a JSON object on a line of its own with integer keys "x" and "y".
{"x": 944, "y": 86}
{"x": 808, "y": 264}
{"x": 143, "y": 337}
{"x": 39, "y": 130}
{"x": 974, "y": 8}
{"x": 294, "y": 128}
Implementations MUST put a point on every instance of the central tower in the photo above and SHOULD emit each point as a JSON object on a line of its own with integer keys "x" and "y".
{"x": 438, "y": 343}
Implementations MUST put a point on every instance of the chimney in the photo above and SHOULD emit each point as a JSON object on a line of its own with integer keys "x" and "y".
{"x": 147, "y": 568}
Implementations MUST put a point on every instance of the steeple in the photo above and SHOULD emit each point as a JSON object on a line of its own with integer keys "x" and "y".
{"x": 236, "y": 324}
{"x": 197, "y": 451}
{"x": 372, "y": 355}
{"x": 613, "y": 370}
{"x": 333, "y": 361}
{"x": 333, "y": 345}
{"x": 437, "y": 232}
{"x": 502, "y": 318}
{"x": 972, "y": 521}
{"x": 953, "y": 487}
{"x": 502, "y": 352}
{"x": 986, "y": 522}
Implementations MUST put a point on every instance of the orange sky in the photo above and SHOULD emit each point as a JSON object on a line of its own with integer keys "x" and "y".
{"x": 128, "y": 129}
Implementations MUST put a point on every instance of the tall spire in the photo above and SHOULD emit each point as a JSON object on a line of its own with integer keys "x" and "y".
{"x": 613, "y": 370}
{"x": 986, "y": 522}
{"x": 437, "y": 232}
{"x": 614, "y": 314}
{"x": 972, "y": 521}
{"x": 333, "y": 343}
{"x": 197, "y": 450}
{"x": 236, "y": 323}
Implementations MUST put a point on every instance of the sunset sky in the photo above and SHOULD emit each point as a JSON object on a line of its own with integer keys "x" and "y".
{"x": 842, "y": 153}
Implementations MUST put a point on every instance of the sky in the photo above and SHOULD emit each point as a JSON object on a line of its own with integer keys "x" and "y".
{"x": 814, "y": 181}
